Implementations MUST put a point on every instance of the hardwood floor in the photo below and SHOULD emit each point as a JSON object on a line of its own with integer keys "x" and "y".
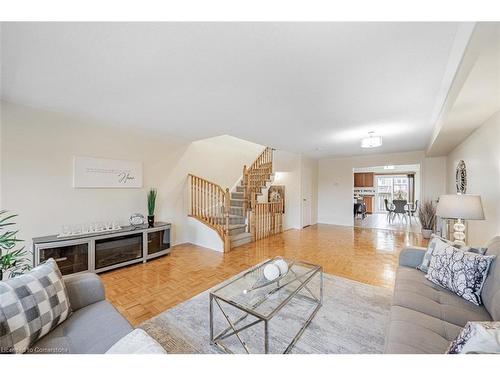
{"x": 369, "y": 256}
{"x": 379, "y": 221}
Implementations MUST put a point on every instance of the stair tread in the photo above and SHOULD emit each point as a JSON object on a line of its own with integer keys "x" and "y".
{"x": 234, "y": 226}
{"x": 240, "y": 236}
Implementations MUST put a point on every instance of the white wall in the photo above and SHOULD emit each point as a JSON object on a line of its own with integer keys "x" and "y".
{"x": 37, "y": 161}
{"x": 287, "y": 172}
{"x": 434, "y": 177}
{"x": 335, "y": 181}
{"x": 481, "y": 153}
{"x": 309, "y": 187}
{"x": 37, "y": 150}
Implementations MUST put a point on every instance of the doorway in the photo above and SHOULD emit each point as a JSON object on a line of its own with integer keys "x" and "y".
{"x": 307, "y": 188}
{"x": 390, "y": 183}
{"x": 393, "y": 186}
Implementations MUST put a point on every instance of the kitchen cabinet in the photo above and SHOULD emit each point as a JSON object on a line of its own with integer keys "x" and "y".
{"x": 359, "y": 179}
{"x": 363, "y": 179}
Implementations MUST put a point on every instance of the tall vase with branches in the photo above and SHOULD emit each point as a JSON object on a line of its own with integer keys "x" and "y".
{"x": 427, "y": 217}
{"x": 151, "y": 206}
{"x": 14, "y": 261}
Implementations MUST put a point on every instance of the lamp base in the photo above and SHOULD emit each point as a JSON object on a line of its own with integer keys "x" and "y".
{"x": 459, "y": 233}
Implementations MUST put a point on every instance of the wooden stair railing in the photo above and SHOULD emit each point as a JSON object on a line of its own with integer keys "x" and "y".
{"x": 210, "y": 204}
{"x": 266, "y": 219}
{"x": 255, "y": 178}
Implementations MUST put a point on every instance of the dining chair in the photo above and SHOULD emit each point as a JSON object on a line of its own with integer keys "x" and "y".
{"x": 400, "y": 207}
{"x": 389, "y": 207}
{"x": 412, "y": 209}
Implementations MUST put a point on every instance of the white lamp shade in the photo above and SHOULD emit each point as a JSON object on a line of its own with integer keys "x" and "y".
{"x": 460, "y": 206}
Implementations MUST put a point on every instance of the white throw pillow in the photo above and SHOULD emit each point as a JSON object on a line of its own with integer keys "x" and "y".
{"x": 136, "y": 342}
{"x": 461, "y": 272}
{"x": 424, "y": 266}
{"x": 477, "y": 337}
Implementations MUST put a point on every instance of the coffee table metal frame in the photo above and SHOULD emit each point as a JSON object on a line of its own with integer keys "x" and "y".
{"x": 232, "y": 330}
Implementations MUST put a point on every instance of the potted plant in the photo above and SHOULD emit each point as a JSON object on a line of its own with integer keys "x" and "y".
{"x": 151, "y": 206}
{"x": 427, "y": 216}
{"x": 12, "y": 260}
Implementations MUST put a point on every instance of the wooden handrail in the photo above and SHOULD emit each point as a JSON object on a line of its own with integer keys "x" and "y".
{"x": 255, "y": 178}
{"x": 210, "y": 204}
{"x": 264, "y": 158}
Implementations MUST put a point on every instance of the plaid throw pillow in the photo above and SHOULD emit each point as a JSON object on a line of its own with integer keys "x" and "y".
{"x": 31, "y": 305}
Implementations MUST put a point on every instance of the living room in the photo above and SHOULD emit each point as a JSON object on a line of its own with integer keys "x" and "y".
{"x": 188, "y": 188}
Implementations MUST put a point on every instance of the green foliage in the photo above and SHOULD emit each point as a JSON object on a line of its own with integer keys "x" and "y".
{"x": 13, "y": 260}
{"x": 151, "y": 202}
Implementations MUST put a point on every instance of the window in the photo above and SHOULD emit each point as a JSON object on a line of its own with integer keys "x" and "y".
{"x": 390, "y": 187}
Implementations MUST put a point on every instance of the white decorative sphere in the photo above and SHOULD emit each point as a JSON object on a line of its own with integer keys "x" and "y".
{"x": 271, "y": 272}
{"x": 282, "y": 265}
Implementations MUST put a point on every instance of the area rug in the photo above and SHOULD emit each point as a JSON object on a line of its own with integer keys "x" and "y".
{"x": 353, "y": 319}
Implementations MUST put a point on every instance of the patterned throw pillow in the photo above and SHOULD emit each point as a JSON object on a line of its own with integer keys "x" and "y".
{"x": 477, "y": 337}
{"x": 458, "y": 271}
{"x": 31, "y": 305}
{"x": 424, "y": 267}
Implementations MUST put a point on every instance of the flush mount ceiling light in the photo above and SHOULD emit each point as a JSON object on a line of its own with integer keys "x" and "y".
{"x": 371, "y": 141}
{"x": 388, "y": 166}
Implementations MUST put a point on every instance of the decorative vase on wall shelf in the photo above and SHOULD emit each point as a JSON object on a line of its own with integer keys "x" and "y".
{"x": 151, "y": 220}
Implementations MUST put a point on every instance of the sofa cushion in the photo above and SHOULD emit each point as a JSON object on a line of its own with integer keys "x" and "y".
{"x": 91, "y": 329}
{"x": 412, "y": 290}
{"x": 491, "y": 288}
{"x": 412, "y": 332}
{"x": 31, "y": 305}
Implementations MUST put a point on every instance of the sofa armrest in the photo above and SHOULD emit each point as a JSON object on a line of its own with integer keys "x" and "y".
{"x": 84, "y": 290}
{"x": 412, "y": 256}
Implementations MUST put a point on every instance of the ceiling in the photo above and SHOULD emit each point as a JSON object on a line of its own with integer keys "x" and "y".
{"x": 475, "y": 94}
{"x": 314, "y": 88}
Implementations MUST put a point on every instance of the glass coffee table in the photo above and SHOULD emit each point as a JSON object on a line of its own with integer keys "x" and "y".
{"x": 254, "y": 299}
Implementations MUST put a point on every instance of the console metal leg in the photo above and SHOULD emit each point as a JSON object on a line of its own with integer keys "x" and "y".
{"x": 211, "y": 319}
{"x": 266, "y": 336}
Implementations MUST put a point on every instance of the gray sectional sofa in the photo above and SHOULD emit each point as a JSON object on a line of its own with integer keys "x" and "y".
{"x": 94, "y": 326}
{"x": 425, "y": 318}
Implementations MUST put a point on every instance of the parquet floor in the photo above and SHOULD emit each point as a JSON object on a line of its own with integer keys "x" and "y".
{"x": 379, "y": 221}
{"x": 369, "y": 256}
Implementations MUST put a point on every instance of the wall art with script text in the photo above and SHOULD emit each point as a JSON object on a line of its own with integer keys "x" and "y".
{"x": 106, "y": 173}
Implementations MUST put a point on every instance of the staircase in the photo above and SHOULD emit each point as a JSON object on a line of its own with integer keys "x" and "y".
{"x": 230, "y": 213}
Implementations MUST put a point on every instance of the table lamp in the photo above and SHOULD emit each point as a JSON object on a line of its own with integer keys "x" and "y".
{"x": 460, "y": 207}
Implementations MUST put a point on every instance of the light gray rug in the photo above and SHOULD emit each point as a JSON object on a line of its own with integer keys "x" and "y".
{"x": 353, "y": 319}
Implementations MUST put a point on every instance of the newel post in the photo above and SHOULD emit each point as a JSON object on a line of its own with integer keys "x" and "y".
{"x": 227, "y": 210}
{"x": 245, "y": 188}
